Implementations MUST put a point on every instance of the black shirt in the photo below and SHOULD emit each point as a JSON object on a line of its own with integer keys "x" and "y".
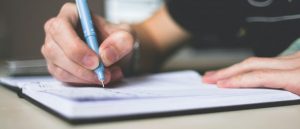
{"x": 269, "y": 26}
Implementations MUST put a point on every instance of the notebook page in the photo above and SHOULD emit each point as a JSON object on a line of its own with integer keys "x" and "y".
{"x": 147, "y": 94}
{"x": 174, "y": 84}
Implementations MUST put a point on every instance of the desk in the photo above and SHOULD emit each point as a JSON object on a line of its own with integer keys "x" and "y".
{"x": 16, "y": 113}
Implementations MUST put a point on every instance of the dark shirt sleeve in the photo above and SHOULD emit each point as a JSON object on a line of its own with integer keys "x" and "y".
{"x": 207, "y": 16}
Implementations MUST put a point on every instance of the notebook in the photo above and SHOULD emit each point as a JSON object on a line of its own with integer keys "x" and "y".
{"x": 164, "y": 94}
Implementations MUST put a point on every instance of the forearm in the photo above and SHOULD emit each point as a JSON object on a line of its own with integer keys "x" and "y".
{"x": 158, "y": 36}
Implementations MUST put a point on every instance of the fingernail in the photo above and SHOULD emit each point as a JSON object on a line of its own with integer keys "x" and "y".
{"x": 208, "y": 79}
{"x": 109, "y": 56}
{"x": 90, "y": 61}
{"x": 205, "y": 80}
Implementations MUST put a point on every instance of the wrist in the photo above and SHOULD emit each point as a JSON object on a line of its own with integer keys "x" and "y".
{"x": 149, "y": 56}
{"x": 132, "y": 66}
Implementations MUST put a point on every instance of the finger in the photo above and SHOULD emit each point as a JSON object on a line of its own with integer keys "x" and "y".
{"x": 115, "y": 47}
{"x": 69, "y": 12}
{"x": 64, "y": 76}
{"x": 55, "y": 55}
{"x": 63, "y": 33}
{"x": 209, "y": 73}
{"x": 108, "y": 77}
{"x": 263, "y": 78}
{"x": 116, "y": 73}
{"x": 52, "y": 53}
{"x": 48, "y": 24}
{"x": 250, "y": 64}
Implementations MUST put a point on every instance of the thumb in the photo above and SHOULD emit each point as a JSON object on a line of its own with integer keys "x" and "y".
{"x": 115, "y": 47}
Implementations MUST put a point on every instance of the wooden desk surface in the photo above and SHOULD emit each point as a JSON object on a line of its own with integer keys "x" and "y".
{"x": 16, "y": 113}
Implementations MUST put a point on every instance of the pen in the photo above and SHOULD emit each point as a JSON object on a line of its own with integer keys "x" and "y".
{"x": 90, "y": 34}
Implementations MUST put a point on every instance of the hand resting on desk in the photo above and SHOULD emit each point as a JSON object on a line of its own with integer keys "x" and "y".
{"x": 278, "y": 72}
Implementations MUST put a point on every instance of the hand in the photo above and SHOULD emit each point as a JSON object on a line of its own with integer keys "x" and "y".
{"x": 70, "y": 60}
{"x": 278, "y": 72}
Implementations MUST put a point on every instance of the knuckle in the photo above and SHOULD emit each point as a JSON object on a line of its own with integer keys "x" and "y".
{"x": 60, "y": 74}
{"x": 50, "y": 52}
{"x": 48, "y": 24}
{"x": 48, "y": 49}
{"x": 43, "y": 51}
{"x": 67, "y": 6}
{"x": 57, "y": 26}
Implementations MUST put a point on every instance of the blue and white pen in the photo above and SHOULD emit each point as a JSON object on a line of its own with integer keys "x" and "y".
{"x": 90, "y": 34}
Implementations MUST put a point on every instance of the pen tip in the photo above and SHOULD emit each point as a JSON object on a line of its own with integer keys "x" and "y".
{"x": 102, "y": 84}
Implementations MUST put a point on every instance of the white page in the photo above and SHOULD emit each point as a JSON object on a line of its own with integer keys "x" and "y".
{"x": 148, "y": 94}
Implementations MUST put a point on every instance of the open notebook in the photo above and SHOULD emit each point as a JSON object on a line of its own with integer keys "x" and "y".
{"x": 162, "y": 94}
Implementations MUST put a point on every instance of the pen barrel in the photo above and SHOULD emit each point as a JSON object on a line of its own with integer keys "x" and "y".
{"x": 93, "y": 43}
{"x": 100, "y": 71}
{"x": 85, "y": 18}
{"x": 90, "y": 33}
{"x": 87, "y": 25}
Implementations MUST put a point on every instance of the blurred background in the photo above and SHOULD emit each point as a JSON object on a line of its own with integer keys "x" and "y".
{"x": 22, "y": 34}
{"x": 21, "y": 25}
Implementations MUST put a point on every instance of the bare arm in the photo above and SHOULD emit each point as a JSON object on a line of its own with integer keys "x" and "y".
{"x": 158, "y": 35}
